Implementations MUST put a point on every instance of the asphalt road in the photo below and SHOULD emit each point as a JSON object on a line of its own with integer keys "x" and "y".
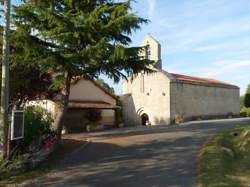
{"x": 147, "y": 156}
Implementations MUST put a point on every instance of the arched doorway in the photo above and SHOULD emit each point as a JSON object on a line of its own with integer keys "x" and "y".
{"x": 144, "y": 119}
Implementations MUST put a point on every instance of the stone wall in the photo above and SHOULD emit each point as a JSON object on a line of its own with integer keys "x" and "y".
{"x": 147, "y": 94}
{"x": 194, "y": 100}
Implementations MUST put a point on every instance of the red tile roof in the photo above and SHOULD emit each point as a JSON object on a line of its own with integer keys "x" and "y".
{"x": 199, "y": 80}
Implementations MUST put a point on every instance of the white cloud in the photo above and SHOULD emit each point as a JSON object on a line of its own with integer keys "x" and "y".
{"x": 183, "y": 39}
{"x": 196, "y": 34}
{"x": 214, "y": 69}
{"x": 226, "y": 67}
{"x": 188, "y": 25}
{"x": 231, "y": 71}
{"x": 238, "y": 44}
{"x": 151, "y": 8}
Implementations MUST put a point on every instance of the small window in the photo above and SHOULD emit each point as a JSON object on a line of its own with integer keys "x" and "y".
{"x": 148, "y": 52}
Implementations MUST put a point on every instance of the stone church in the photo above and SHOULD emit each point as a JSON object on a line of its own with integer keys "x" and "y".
{"x": 163, "y": 97}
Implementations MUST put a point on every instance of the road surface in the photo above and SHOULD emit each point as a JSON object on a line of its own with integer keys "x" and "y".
{"x": 159, "y": 156}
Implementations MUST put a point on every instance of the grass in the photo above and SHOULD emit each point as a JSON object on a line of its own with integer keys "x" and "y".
{"x": 66, "y": 147}
{"x": 224, "y": 161}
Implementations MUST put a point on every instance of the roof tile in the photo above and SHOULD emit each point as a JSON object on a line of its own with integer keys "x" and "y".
{"x": 199, "y": 80}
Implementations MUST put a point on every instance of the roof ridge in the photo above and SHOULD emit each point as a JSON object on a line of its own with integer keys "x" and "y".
{"x": 203, "y": 80}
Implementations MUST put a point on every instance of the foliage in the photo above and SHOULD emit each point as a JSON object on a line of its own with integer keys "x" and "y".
{"x": 242, "y": 101}
{"x": 224, "y": 160}
{"x": 22, "y": 176}
{"x": 27, "y": 80}
{"x": 179, "y": 119}
{"x": 230, "y": 115}
{"x": 80, "y": 38}
{"x": 103, "y": 84}
{"x": 247, "y": 97}
{"x": 37, "y": 123}
{"x": 118, "y": 112}
{"x": 245, "y": 112}
{"x": 61, "y": 151}
{"x": 93, "y": 115}
{"x": 244, "y": 142}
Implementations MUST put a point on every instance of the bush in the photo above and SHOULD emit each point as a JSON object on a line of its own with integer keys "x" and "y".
{"x": 179, "y": 119}
{"x": 244, "y": 142}
{"x": 245, "y": 112}
{"x": 37, "y": 122}
{"x": 93, "y": 115}
{"x": 118, "y": 112}
{"x": 230, "y": 115}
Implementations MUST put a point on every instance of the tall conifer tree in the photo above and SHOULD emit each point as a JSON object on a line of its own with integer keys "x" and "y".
{"x": 80, "y": 38}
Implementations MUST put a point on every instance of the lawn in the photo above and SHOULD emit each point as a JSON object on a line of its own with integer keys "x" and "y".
{"x": 225, "y": 159}
{"x": 66, "y": 147}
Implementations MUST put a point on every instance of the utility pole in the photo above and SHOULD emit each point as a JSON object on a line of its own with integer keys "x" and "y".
{"x": 5, "y": 80}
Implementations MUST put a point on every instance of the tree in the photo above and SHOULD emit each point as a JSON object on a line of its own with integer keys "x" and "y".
{"x": 27, "y": 80}
{"x": 242, "y": 101}
{"x": 5, "y": 80}
{"x": 80, "y": 38}
{"x": 247, "y": 97}
{"x": 103, "y": 84}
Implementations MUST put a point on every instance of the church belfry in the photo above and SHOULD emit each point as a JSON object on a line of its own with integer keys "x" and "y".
{"x": 153, "y": 51}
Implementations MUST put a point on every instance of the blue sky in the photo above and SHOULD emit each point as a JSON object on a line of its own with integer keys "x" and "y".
{"x": 207, "y": 38}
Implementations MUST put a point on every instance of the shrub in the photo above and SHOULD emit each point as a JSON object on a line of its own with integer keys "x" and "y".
{"x": 245, "y": 112}
{"x": 93, "y": 115}
{"x": 244, "y": 142}
{"x": 118, "y": 112}
{"x": 37, "y": 122}
{"x": 199, "y": 118}
{"x": 179, "y": 119}
{"x": 230, "y": 115}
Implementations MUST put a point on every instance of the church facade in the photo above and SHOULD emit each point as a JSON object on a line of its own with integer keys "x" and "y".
{"x": 162, "y": 97}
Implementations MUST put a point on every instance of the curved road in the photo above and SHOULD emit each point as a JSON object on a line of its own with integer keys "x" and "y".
{"x": 144, "y": 156}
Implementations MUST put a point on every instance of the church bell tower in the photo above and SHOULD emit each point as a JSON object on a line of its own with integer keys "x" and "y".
{"x": 153, "y": 51}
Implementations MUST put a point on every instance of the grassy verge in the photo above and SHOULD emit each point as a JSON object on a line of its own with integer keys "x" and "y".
{"x": 66, "y": 147}
{"x": 225, "y": 159}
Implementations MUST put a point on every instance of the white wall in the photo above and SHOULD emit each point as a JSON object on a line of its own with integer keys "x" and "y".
{"x": 153, "y": 100}
{"x": 86, "y": 90}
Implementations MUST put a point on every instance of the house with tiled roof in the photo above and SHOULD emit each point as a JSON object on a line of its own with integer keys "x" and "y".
{"x": 164, "y": 98}
{"x": 86, "y": 97}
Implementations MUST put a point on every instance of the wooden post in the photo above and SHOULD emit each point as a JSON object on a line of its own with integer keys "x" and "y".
{"x": 5, "y": 79}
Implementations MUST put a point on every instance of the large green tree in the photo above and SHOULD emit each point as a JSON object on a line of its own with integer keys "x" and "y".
{"x": 27, "y": 79}
{"x": 80, "y": 38}
{"x": 247, "y": 97}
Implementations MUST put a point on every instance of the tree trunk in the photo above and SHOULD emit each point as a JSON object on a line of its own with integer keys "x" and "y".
{"x": 5, "y": 81}
{"x": 63, "y": 107}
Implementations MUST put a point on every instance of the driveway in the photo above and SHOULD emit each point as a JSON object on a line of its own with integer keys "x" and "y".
{"x": 162, "y": 156}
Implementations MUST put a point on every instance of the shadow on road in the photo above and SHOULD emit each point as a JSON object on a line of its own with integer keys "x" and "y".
{"x": 157, "y": 161}
{"x": 208, "y": 126}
